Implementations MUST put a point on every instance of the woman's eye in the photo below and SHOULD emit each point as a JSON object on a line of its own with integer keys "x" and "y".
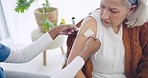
{"x": 112, "y": 11}
{"x": 102, "y": 6}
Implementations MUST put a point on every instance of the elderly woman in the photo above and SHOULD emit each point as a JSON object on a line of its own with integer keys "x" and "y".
{"x": 122, "y": 27}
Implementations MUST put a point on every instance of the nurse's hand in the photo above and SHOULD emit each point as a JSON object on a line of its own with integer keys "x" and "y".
{"x": 66, "y": 29}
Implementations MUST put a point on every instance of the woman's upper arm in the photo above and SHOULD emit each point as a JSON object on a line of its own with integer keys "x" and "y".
{"x": 88, "y": 23}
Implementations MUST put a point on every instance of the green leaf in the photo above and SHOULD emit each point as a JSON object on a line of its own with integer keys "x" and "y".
{"x": 63, "y": 21}
{"x": 47, "y": 24}
{"x": 23, "y": 5}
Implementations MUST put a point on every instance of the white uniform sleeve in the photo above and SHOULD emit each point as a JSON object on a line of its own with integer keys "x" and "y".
{"x": 71, "y": 70}
{"x": 27, "y": 53}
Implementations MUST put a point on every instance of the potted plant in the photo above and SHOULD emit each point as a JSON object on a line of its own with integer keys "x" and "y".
{"x": 46, "y": 16}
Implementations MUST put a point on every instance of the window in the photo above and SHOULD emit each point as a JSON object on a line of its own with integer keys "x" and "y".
{"x": 4, "y": 33}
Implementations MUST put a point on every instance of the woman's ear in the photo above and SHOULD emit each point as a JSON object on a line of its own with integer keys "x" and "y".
{"x": 132, "y": 9}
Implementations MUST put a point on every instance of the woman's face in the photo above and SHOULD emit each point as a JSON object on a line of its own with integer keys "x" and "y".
{"x": 112, "y": 12}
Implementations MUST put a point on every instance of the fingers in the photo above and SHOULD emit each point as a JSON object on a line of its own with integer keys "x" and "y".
{"x": 71, "y": 27}
{"x": 65, "y": 33}
{"x": 94, "y": 40}
{"x": 92, "y": 45}
{"x": 91, "y": 37}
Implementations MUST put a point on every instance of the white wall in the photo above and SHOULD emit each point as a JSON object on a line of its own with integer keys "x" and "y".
{"x": 21, "y": 25}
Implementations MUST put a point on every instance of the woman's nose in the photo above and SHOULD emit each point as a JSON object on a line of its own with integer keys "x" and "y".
{"x": 105, "y": 14}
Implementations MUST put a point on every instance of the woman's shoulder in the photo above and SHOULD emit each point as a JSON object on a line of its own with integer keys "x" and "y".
{"x": 144, "y": 26}
{"x": 92, "y": 19}
{"x": 142, "y": 30}
{"x": 88, "y": 23}
{"x": 146, "y": 23}
{"x": 95, "y": 14}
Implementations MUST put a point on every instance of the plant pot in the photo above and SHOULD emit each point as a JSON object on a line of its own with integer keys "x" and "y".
{"x": 52, "y": 16}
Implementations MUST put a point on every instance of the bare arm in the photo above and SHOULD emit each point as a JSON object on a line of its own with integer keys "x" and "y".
{"x": 88, "y": 23}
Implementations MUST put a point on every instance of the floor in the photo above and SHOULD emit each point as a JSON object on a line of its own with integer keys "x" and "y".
{"x": 55, "y": 60}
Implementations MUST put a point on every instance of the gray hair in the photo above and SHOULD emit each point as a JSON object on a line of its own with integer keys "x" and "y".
{"x": 139, "y": 16}
{"x": 127, "y": 3}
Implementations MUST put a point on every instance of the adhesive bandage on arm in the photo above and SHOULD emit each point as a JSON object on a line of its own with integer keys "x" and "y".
{"x": 88, "y": 33}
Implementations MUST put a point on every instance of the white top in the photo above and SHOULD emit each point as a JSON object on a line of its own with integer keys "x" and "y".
{"x": 109, "y": 61}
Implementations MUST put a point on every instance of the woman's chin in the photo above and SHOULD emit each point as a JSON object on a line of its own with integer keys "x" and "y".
{"x": 106, "y": 24}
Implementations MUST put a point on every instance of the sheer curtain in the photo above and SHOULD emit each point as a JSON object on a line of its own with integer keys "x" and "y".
{"x": 4, "y": 33}
{"x": 20, "y": 25}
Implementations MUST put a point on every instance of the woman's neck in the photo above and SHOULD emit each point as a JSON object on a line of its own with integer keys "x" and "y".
{"x": 116, "y": 29}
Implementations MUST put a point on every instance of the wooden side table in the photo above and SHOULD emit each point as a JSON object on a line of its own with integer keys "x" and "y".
{"x": 58, "y": 42}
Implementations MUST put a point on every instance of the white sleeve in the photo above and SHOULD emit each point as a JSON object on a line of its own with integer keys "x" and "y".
{"x": 71, "y": 70}
{"x": 27, "y": 53}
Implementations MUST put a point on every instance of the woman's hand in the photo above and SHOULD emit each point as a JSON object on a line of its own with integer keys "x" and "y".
{"x": 91, "y": 46}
